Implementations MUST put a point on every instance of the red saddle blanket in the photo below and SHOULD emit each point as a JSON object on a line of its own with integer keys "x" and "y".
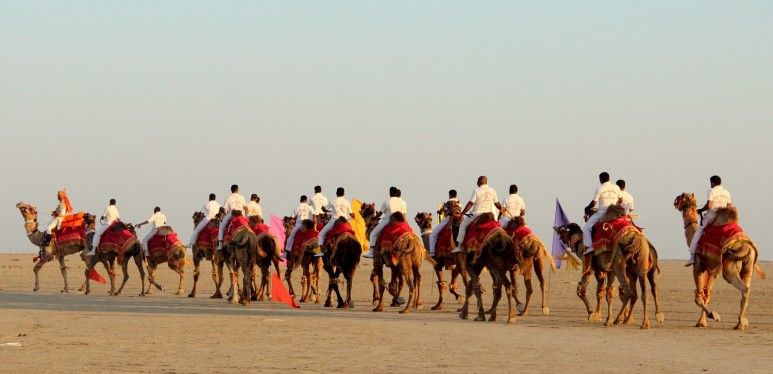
{"x": 237, "y": 223}
{"x": 259, "y": 228}
{"x": 338, "y": 230}
{"x": 478, "y": 233}
{"x": 715, "y": 238}
{"x": 391, "y": 233}
{"x": 116, "y": 239}
{"x": 303, "y": 238}
{"x": 208, "y": 236}
{"x": 443, "y": 244}
{"x": 520, "y": 233}
{"x": 606, "y": 234}
{"x": 71, "y": 231}
{"x": 163, "y": 243}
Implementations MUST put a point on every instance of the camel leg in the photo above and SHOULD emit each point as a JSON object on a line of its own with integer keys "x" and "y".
{"x": 514, "y": 286}
{"x": 593, "y": 315}
{"x": 741, "y": 281}
{"x": 645, "y": 323}
{"x": 497, "y": 288}
{"x": 349, "y": 276}
{"x": 409, "y": 276}
{"x": 461, "y": 267}
{"x": 247, "y": 284}
{"x": 417, "y": 285}
{"x": 288, "y": 279}
{"x": 440, "y": 286}
{"x": 652, "y": 277}
{"x": 539, "y": 268}
{"x": 125, "y": 272}
{"x": 478, "y": 295}
{"x": 151, "y": 277}
{"x": 196, "y": 274}
{"x": 379, "y": 273}
{"x": 217, "y": 277}
{"x": 452, "y": 287}
{"x": 138, "y": 262}
{"x": 89, "y": 265}
{"x": 317, "y": 263}
{"x": 527, "y": 270}
{"x": 179, "y": 270}
{"x": 509, "y": 292}
{"x": 464, "y": 312}
{"x": 374, "y": 282}
{"x": 110, "y": 267}
{"x": 609, "y": 296}
{"x": 702, "y": 280}
{"x": 332, "y": 282}
{"x": 36, "y": 269}
{"x": 63, "y": 269}
{"x": 631, "y": 277}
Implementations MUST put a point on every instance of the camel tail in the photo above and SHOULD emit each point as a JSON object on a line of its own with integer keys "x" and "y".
{"x": 430, "y": 260}
{"x": 757, "y": 268}
{"x": 551, "y": 260}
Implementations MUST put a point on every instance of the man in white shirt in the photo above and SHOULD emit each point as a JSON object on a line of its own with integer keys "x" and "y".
{"x": 340, "y": 208}
{"x": 606, "y": 194}
{"x": 59, "y": 213}
{"x": 318, "y": 201}
{"x": 157, "y": 220}
{"x": 210, "y": 210}
{"x": 483, "y": 200}
{"x": 253, "y": 207}
{"x": 234, "y": 204}
{"x": 391, "y": 205}
{"x": 302, "y": 212}
{"x": 109, "y": 216}
{"x": 514, "y": 207}
{"x": 718, "y": 197}
{"x": 627, "y": 200}
{"x": 447, "y": 218}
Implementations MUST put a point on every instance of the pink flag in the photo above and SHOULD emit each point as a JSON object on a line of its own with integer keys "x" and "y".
{"x": 277, "y": 229}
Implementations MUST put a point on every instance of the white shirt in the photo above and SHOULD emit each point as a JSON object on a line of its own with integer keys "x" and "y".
{"x": 341, "y": 208}
{"x": 235, "y": 201}
{"x": 719, "y": 197}
{"x": 157, "y": 220}
{"x": 514, "y": 204}
{"x": 303, "y": 212}
{"x": 483, "y": 200}
{"x": 254, "y": 209}
{"x": 391, "y": 206}
{"x": 210, "y": 209}
{"x": 318, "y": 201}
{"x": 111, "y": 214}
{"x": 61, "y": 210}
{"x": 403, "y": 207}
{"x": 606, "y": 194}
{"x": 627, "y": 201}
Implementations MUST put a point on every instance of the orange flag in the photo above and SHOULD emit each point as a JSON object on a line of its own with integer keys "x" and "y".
{"x": 279, "y": 293}
{"x": 94, "y": 275}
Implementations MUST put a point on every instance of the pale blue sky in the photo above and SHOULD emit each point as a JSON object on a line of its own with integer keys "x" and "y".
{"x": 160, "y": 103}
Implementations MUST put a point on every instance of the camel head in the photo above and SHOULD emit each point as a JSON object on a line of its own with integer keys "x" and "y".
{"x": 685, "y": 201}
{"x": 517, "y": 222}
{"x": 368, "y": 211}
{"x": 570, "y": 234}
{"x": 28, "y": 212}
{"x": 197, "y": 217}
{"x": 424, "y": 220}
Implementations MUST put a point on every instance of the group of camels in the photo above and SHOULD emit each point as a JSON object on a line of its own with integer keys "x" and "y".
{"x": 632, "y": 260}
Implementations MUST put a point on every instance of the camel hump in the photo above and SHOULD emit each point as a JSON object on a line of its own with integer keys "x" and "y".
{"x": 613, "y": 212}
{"x": 726, "y": 215}
{"x": 398, "y": 217}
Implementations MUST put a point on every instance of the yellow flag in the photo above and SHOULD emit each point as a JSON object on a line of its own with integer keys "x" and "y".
{"x": 358, "y": 224}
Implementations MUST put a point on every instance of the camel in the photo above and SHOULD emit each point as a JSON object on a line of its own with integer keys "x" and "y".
{"x": 536, "y": 257}
{"x": 342, "y": 257}
{"x": 174, "y": 257}
{"x": 248, "y": 252}
{"x": 107, "y": 256}
{"x": 407, "y": 253}
{"x": 634, "y": 258}
{"x": 206, "y": 250}
{"x": 397, "y": 282}
{"x": 443, "y": 261}
{"x": 737, "y": 261}
{"x": 52, "y": 250}
{"x": 310, "y": 264}
{"x": 497, "y": 253}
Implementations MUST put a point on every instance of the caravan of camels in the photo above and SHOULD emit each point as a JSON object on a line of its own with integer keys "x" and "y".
{"x": 483, "y": 234}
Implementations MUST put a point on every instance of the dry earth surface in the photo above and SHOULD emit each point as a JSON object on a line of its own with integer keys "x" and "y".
{"x": 54, "y": 332}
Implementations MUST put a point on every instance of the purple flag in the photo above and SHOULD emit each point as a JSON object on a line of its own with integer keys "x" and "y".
{"x": 558, "y": 246}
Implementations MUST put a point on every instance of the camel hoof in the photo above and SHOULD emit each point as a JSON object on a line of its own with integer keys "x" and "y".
{"x": 511, "y": 319}
{"x": 64, "y": 291}
{"x": 87, "y": 292}
{"x": 701, "y": 324}
{"x": 742, "y": 324}
{"x": 437, "y": 307}
{"x": 610, "y": 323}
{"x": 594, "y": 317}
{"x": 460, "y": 299}
{"x": 158, "y": 286}
{"x": 490, "y": 311}
{"x": 378, "y": 309}
{"x": 714, "y": 315}
{"x": 480, "y": 318}
{"x": 645, "y": 325}
{"x": 545, "y": 311}
{"x": 404, "y": 311}
{"x": 520, "y": 307}
{"x": 142, "y": 294}
{"x": 629, "y": 321}
{"x": 660, "y": 317}
{"x": 492, "y": 318}
{"x": 36, "y": 289}
{"x": 328, "y": 304}
{"x": 191, "y": 295}
{"x": 216, "y": 296}
{"x": 463, "y": 315}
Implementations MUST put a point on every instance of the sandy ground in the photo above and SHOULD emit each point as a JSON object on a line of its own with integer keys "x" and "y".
{"x": 166, "y": 333}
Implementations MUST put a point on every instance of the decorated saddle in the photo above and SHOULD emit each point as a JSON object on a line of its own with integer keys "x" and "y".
{"x": 71, "y": 231}
{"x": 208, "y": 236}
{"x": 259, "y": 228}
{"x": 607, "y": 234}
{"x": 478, "y": 232}
{"x": 163, "y": 242}
{"x": 444, "y": 240}
{"x": 302, "y": 240}
{"x": 117, "y": 238}
{"x": 716, "y": 238}
{"x": 338, "y": 230}
{"x": 237, "y": 224}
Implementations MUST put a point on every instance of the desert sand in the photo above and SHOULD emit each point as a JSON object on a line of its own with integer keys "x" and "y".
{"x": 53, "y": 332}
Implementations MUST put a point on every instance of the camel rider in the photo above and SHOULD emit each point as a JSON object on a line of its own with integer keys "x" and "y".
{"x": 403, "y": 204}
{"x": 446, "y": 210}
{"x": 391, "y": 205}
{"x": 606, "y": 194}
{"x": 109, "y": 216}
{"x": 302, "y": 212}
{"x": 63, "y": 208}
{"x": 340, "y": 208}
{"x": 627, "y": 199}
{"x": 718, "y": 198}
{"x": 210, "y": 210}
{"x": 253, "y": 207}
{"x": 514, "y": 207}
{"x": 483, "y": 200}
{"x": 157, "y": 220}
{"x": 234, "y": 205}
{"x": 318, "y": 201}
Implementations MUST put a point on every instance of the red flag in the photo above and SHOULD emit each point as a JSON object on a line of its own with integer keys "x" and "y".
{"x": 94, "y": 275}
{"x": 279, "y": 293}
